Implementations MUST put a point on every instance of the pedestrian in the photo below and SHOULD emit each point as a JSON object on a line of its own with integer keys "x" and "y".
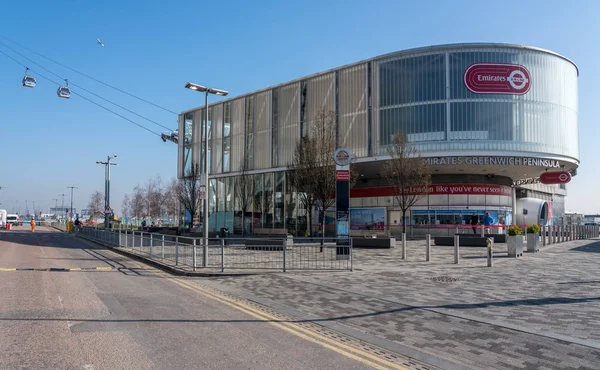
{"x": 488, "y": 221}
{"x": 32, "y": 223}
{"x": 77, "y": 223}
{"x": 474, "y": 221}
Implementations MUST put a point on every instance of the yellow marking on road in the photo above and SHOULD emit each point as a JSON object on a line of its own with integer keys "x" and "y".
{"x": 105, "y": 268}
{"x": 74, "y": 269}
{"x": 7, "y": 269}
{"x": 293, "y": 328}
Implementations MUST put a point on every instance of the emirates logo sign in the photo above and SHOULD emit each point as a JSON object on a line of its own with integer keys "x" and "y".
{"x": 488, "y": 78}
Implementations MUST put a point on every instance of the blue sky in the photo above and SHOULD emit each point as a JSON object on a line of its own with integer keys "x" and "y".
{"x": 154, "y": 47}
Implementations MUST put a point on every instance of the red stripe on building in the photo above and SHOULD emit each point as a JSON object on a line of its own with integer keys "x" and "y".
{"x": 440, "y": 189}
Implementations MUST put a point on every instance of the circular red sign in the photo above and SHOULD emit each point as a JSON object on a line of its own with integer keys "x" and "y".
{"x": 490, "y": 78}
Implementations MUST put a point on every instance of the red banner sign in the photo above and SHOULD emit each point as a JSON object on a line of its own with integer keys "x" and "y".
{"x": 562, "y": 177}
{"x": 488, "y": 78}
{"x": 342, "y": 175}
{"x": 440, "y": 189}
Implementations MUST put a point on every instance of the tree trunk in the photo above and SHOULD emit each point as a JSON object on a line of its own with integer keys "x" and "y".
{"x": 403, "y": 221}
{"x": 243, "y": 223}
{"x": 309, "y": 220}
{"x": 322, "y": 228}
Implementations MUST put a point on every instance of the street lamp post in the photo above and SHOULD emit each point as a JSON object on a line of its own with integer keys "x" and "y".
{"x": 107, "y": 164}
{"x": 71, "y": 187}
{"x": 206, "y": 91}
{"x": 62, "y": 203}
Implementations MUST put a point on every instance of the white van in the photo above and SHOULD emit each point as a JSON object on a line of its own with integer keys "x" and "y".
{"x": 12, "y": 219}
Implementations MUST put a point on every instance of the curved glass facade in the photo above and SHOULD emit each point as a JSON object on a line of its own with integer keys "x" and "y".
{"x": 425, "y": 96}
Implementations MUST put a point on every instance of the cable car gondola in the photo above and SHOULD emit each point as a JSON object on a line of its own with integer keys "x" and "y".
{"x": 28, "y": 81}
{"x": 64, "y": 91}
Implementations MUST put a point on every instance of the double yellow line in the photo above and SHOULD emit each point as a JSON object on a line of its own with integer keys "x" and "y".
{"x": 290, "y": 327}
{"x": 295, "y": 329}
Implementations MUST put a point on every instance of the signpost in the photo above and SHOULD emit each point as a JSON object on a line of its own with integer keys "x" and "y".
{"x": 342, "y": 158}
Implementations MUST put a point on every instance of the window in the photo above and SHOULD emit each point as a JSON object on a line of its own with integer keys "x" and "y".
{"x": 226, "y": 137}
{"x": 249, "y": 158}
{"x": 188, "y": 122}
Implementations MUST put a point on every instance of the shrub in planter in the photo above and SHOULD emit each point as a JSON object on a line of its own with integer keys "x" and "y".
{"x": 533, "y": 229}
{"x": 533, "y": 238}
{"x": 514, "y": 230}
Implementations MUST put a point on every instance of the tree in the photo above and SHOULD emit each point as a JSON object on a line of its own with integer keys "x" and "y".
{"x": 408, "y": 174}
{"x": 154, "y": 198}
{"x": 244, "y": 192}
{"x": 313, "y": 166}
{"x": 137, "y": 204}
{"x": 188, "y": 191}
{"x": 126, "y": 206}
{"x": 95, "y": 203}
{"x": 171, "y": 200}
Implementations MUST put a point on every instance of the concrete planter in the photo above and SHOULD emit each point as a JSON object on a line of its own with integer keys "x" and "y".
{"x": 515, "y": 245}
{"x": 533, "y": 243}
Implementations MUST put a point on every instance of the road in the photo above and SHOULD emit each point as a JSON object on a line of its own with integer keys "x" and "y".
{"x": 69, "y": 304}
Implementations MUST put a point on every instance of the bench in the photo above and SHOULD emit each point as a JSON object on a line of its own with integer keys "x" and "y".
{"x": 374, "y": 243}
{"x": 467, "y": 240}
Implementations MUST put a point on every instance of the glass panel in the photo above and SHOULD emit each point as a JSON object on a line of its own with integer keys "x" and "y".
{"x": 262, "y": 130}
{"x": 258, "y": 202}
{"x": 278, "y": 221}
{"x": 229, "y": 190}
{"x": 288, "y": 120}
{"x": 212, "y": 205}
{"x": 249, "y": 152}
{"x": 226, "y": 154}
{"x": 187, "y": 160}
{"x": 238, "y": 138}
{"x": 414, "y": 79}
{"x": 352, "y": 110}
{"x": 419, "y": 122}
{"x": 482, "y": 121}
{"x": 188, "y": 122}
{"x": 267, "y": 207}
{"x": 291, "y": 207}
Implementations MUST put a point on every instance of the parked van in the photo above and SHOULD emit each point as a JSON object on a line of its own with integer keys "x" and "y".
{"x": 12, "y": 219}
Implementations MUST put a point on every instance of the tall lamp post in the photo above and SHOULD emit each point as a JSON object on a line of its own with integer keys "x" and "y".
{"x": 107, "y": 164}
{"x": 206, "y": 91}
{"x": 71, "y": 187}
{"x": 62, "y": 203}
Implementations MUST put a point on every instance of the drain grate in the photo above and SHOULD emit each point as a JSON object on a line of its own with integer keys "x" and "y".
{"x": 445, "y": 279}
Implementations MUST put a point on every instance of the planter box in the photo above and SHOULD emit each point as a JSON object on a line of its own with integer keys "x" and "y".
{"x": 533, "y": 243}
{"x": 515, "y": 245}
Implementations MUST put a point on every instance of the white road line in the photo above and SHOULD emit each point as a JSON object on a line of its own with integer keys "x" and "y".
{"x": 69, "y": 323}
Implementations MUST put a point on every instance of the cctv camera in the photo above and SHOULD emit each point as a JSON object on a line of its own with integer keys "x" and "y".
{"x": 115, "y": 155}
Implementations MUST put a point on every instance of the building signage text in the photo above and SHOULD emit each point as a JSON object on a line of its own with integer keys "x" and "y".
{"x": 490, "y": 78}
{"x": 501, "y": 161}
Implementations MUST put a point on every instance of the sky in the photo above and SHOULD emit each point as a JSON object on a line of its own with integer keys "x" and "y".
{"x": 154, "y": 47}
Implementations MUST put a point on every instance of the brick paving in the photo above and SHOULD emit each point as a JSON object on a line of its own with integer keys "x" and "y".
{"x": 541, "y": 310}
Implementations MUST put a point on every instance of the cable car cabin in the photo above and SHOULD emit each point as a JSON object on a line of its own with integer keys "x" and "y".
{"x": 29, "y": 81}
{"x": 63, "y": 92}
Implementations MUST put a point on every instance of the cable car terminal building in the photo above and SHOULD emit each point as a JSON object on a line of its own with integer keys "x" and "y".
{"x": 489, "y": 118}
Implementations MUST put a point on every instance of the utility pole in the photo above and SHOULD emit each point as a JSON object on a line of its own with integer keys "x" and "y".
{"x": 107, "y": 165}
{"x": 62, "y": 205}
{"x": 55, "y": 207}
{"x": 72, "y": 187}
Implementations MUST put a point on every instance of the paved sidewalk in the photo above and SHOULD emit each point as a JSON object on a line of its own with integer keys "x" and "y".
{"x": 540, "y": 311}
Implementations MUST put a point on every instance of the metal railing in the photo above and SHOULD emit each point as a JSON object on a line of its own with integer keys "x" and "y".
{"x": 232, "y": 253}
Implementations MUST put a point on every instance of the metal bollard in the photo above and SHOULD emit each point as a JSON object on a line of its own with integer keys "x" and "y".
{"x": 544, "y": 236}
{"x": 456, "y": 248}
{"x": 428, "y": 248}
{"x": 194, "y": 254}
{"x": 490, "y": 252}
{"x": 482, "y": 231}
{"x": 141, "y": 241}
{"x": 404, "y": 246}
{"x": 284, "y": 254}
{"x": 222, "y": 255}
{"x": 205, "y": 254}
{"x": 176, "y": 250}
{"x": 162, "y": 248}
{"x": 119, "y": 237}
{"x": 151, "y": 243}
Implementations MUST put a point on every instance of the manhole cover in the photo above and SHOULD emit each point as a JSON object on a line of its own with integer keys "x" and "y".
{"x": 444, "y": 279}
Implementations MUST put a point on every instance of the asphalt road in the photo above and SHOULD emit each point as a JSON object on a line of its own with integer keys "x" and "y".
{"x": 132, "y": 316}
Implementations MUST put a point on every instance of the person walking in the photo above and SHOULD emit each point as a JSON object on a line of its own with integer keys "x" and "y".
{"x": 488, "y": 221}
{"x": 474, "y": 221}
{"x": 32, "y": 223}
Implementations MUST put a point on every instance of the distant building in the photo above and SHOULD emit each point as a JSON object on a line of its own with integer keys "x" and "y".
{"x": 573, "y": 218}
{"x": 591, "y": 219}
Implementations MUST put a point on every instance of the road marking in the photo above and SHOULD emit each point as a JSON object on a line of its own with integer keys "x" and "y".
{"x": 55, "y": 269}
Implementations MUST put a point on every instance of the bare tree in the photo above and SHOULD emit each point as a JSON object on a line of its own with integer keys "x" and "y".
{"x": 154, "y": 198}
{"x": 138, "y": 202}
{"x": 244, "y": 192}
{"x": 408, "y": 174}
{"x": 126, "y": 206}
{"x": 188, "y": 191}
{"x": 313, "y": 166}
{"x": 95, "y": 203}
{"x": 171, "y": 200}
